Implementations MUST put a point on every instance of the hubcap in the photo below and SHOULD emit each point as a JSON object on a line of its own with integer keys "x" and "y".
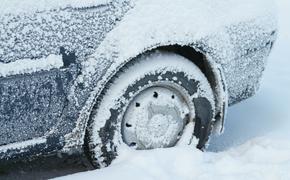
{"x": 155, "y": 118}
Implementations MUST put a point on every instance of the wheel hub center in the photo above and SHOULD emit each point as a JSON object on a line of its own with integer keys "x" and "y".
{"x": 158, "y": 125}
{"x": 155, "y": 118}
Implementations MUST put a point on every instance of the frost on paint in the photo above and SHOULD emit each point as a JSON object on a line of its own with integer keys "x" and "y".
{"x": 104, "y": 35}
{"x": 32, "y": 6}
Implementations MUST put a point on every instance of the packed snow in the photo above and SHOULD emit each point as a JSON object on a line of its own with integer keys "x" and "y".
{"x": 255, "y": 144}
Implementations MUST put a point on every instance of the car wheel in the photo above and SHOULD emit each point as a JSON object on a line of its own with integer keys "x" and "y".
{"x": 159, "y": 100}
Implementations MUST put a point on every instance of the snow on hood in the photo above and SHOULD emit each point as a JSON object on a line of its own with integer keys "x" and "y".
{"x": 20, "y": 6}
{"x": 226, "y": 7}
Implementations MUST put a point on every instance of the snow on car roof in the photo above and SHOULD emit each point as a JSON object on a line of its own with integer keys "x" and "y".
{"x": 20, "y": 6}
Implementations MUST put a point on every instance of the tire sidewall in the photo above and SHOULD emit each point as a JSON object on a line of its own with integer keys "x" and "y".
{"x": 104, "y": 139}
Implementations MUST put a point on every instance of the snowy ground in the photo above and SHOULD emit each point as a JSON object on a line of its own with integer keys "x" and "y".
{"x": 255, "y": 145}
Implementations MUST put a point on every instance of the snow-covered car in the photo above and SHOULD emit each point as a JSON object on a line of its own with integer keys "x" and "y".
{"x": 95, "y": 75}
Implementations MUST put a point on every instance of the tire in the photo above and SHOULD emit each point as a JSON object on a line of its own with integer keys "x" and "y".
{"x": 115, "y": 120}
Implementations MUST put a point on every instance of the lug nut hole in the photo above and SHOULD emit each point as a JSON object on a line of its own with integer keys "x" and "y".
{"x": 137, "y": 104}
{"x": 128, "y": 125}
{"x": 155, "y": 95}
{"x": 132, "y": 144}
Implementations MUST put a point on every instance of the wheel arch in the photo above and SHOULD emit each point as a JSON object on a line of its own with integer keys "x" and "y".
{"x": 202, "y": 59}
{"x": 212, "y": 70}
{"x": 213, "y": 73}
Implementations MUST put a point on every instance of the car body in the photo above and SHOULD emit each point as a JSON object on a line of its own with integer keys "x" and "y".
{"x": 56, "y": 58}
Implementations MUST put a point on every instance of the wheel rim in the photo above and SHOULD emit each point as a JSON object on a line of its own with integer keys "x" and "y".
{"x": 155, "y": 118}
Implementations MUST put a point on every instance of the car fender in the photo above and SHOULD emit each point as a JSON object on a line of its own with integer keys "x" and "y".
{"x": 128, "y": 40}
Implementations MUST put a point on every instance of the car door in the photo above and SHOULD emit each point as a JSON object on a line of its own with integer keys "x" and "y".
{"x": 32, "y": 104}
